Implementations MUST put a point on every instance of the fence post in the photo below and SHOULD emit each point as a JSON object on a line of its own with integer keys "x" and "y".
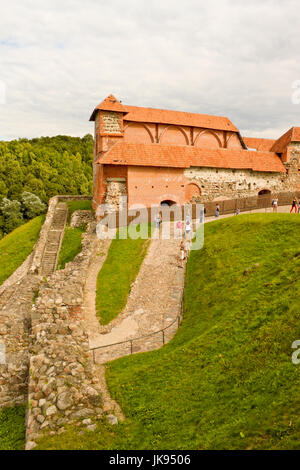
{"x": 163, "y": 336}
{"x": 131, "y": 346}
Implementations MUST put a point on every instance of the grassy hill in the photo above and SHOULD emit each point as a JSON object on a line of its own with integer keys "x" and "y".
{"x": 17, "y": 245}
{"x": 226, "y": 381}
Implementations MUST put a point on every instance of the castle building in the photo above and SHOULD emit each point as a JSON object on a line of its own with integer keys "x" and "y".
{"x": 157, "y": 156}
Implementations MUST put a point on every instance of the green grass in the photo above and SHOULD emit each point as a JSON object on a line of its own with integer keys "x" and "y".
{"x": 83, "y": 205}
{"x": 226, "y": 380}
{"x": 17, "y": 245}
{"x": 12, "y": 428}
{"x": 118, "y": 272}
{"x": 71, "y": 245}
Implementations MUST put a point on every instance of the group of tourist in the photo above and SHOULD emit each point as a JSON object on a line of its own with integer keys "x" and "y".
{"x": 184, "y": 232}
{"x": 295, "y": 206}
{"x": 185, "y": 244}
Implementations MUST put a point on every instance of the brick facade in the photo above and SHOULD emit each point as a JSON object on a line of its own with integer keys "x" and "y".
{"x": 157, "y": 155}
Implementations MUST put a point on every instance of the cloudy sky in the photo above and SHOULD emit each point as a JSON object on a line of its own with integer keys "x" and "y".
{"x": 60, "y": 58}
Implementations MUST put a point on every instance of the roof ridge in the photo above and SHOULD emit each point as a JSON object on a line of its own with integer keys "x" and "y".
{"x": 175, "y": 111}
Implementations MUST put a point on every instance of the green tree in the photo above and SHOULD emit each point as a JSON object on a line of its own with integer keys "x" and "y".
{"x": 32, "y": 205}
{"x": 11, "y": 214}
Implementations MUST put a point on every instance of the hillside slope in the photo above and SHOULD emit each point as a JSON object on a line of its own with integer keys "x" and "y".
{"x": 17, "y": 245}
{"x": 226, "y": 381}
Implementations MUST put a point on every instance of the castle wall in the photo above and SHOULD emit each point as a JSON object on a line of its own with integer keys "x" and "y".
{"x": 150, "y": 185}
{"x": 227, "y": 183}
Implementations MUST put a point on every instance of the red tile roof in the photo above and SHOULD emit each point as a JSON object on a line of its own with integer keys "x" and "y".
{"x": 185, "y": 156}
{"x": 292, "y": 135}
{"x": 163, "y": 116}
{"x": 109, "y": 104}
{"x": 179, "y": 118}
{"x": 264, "y": 145}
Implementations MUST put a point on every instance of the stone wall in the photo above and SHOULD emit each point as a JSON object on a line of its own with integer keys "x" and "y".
{"x": 111, "y": 123}
{"x": 226, "y": 183}
{"x": 81, "y": 217}
{"x": 115, "y": 189}
{"x": 15, "y": 305}
{"x": 62, "y": 387}
{"x": 47, "y": 358}
{"x": 18, "y": 275}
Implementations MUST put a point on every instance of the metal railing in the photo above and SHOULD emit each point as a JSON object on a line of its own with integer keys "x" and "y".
{"x": 227, "y": 206}
{"x": 130, "y": 342}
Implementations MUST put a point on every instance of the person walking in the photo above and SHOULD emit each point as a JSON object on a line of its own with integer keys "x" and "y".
{"x": 158, "y": 220}
{"x": 275, "y": 204}
{"x": 188, "y": 229}
{"x": 187, "y": 248}
{"x": 202, "y": 214}
{"x": 182, "y": 253}
{"x": 179, "y": 229}
{"x": 217, "y": 211}
{"x": 294, "y": 206}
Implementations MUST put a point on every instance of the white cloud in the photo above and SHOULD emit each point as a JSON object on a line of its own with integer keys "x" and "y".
{"x": 60, "y": 59}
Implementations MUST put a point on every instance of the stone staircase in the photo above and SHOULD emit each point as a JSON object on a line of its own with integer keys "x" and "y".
{"x": 54, "y": 240}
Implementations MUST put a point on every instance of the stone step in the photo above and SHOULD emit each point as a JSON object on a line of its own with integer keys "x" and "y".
{"x": 48, "y": 264}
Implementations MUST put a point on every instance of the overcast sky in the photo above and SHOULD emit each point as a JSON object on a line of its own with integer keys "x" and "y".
{"x": 60, "y": 58}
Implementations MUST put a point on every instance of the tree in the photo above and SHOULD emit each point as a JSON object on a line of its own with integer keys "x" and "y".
{"x": 11, "y": 215}
{"x": 32, "y": 206}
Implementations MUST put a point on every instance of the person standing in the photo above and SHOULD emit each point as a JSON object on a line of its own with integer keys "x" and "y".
{"x": 217, "y": 210}
{"x": 275, "y": 204}
{"x": 294, "y": 206}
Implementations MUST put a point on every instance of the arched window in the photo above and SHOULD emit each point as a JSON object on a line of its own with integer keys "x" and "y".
{"x": 167, "y": 202}
{"x": 192, "y": 192}
{"x": 263, "y": 192}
